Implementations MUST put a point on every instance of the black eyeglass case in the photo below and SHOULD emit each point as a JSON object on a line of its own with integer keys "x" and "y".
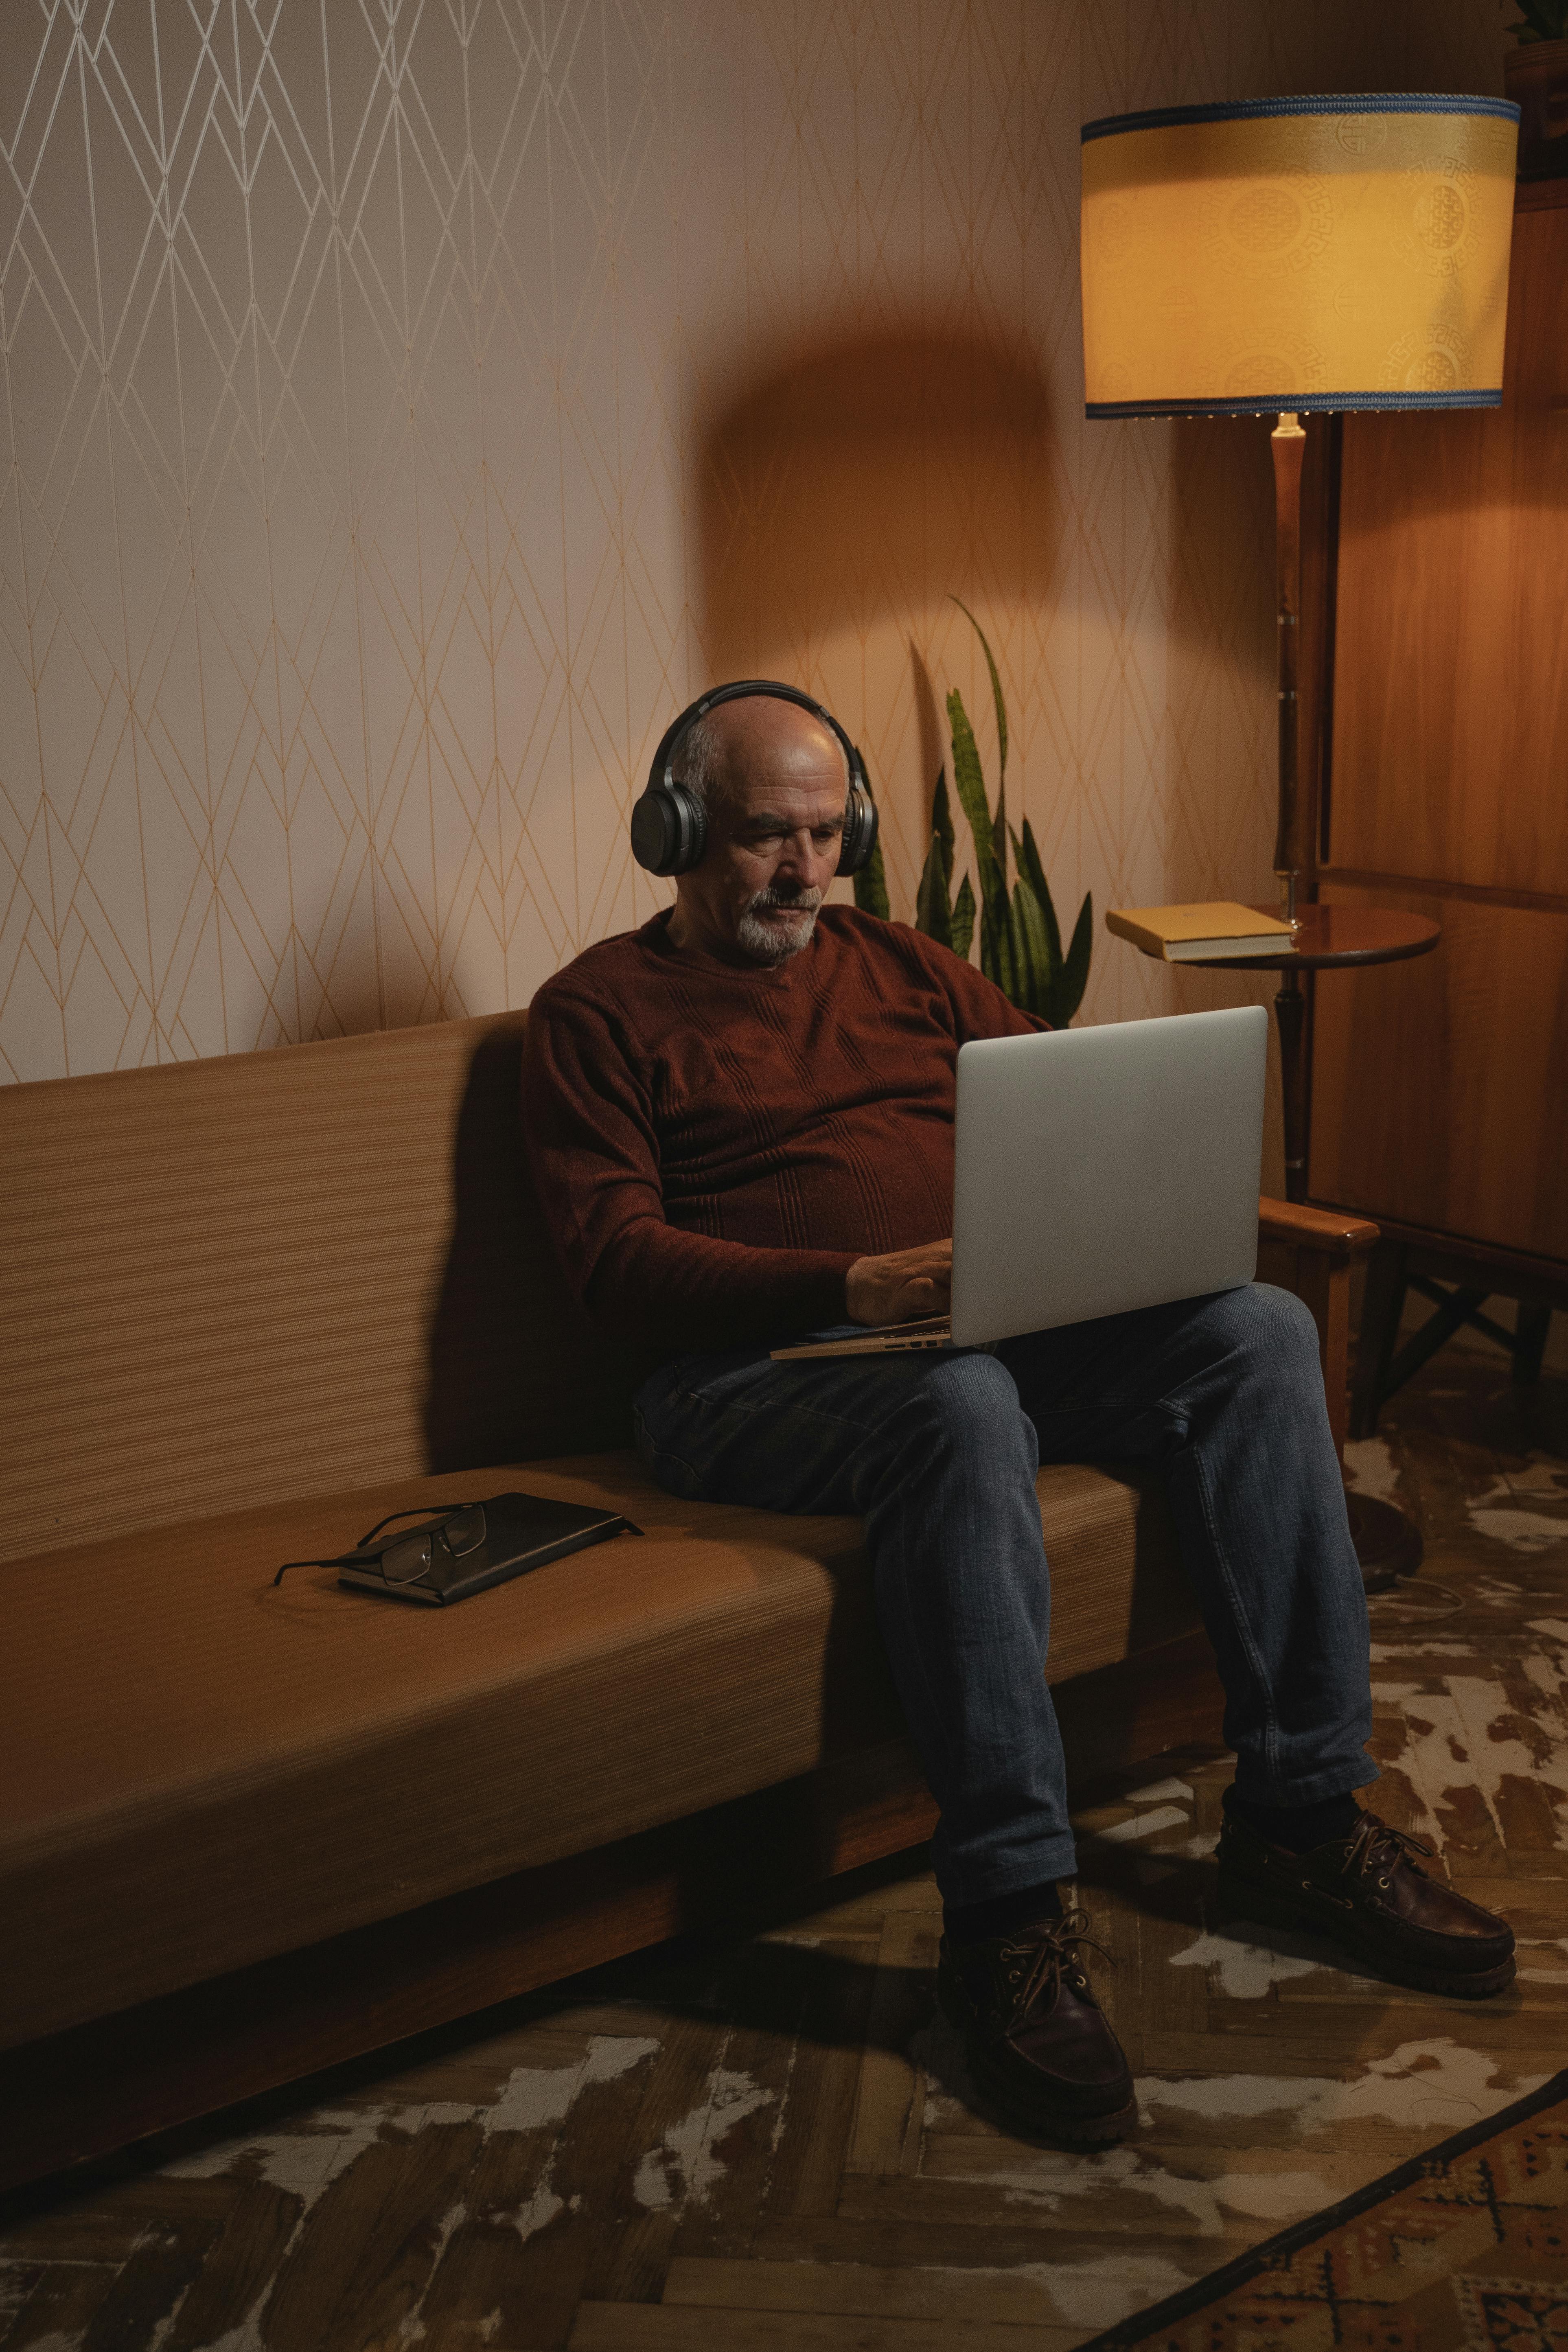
{"x": 522, "y": 1532}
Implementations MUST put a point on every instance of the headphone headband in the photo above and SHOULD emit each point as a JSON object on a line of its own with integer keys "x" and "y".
{"x": 742, "y": 689}
{"x": 670, "y": 824}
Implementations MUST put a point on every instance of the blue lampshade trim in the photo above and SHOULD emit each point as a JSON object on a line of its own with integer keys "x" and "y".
{"x": 1286, "y": 402}
{"x": 1161, "y": 117}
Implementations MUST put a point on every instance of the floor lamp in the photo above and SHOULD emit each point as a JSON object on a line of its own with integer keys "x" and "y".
{"x": 1287, "y": 257}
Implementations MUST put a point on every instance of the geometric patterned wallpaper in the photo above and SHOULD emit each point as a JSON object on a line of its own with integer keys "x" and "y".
{"x": 406, "y": 405}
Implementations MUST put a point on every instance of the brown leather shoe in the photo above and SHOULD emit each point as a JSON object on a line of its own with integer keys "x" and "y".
{"x": 1369, "y": 1895}
{"x": 1033, "y": 2032}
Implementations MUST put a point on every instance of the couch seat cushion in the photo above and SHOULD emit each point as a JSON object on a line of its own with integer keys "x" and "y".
{"x": 199, "y": 1770}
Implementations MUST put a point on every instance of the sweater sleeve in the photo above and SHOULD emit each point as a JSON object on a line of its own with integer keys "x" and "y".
{"x": 593, "y": 1149}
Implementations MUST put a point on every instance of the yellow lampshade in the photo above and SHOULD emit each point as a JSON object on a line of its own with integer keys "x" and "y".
{"x": 1298, "y": 254}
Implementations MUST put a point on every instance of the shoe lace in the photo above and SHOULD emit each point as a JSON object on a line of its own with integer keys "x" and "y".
{"x": 1030, "y": 1968}
{"x": 1376, "y": 1849}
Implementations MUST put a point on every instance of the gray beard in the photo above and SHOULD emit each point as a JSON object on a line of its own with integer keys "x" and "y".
{"x": 765, "y": 942}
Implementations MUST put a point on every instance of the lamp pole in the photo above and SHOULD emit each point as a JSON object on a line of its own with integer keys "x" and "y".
{"x": 1288, "y": 443}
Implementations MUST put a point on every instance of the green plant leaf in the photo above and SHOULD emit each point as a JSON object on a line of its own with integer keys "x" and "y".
{"x": 997, "y": 958}
{"x": 996, "y": 682}
{"x": 971, "y": 784}
{"x": 1020, "y": 941}
{"x": 871, "y": 886}
{"x": 995, "y": 953}
{"x": 942, "y": 824}
{"x": 1033, "y": 967}
{"x": 964, "y": 919}
{"x": 1073, "y": 976}
{"x": 995, "y": 961}
{"x": 999, "y": 821}
{"x": 932, "y": 914}
{"x": 1034, "y": 873}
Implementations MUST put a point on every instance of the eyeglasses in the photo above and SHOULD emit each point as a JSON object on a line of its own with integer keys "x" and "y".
{"x": 409, "y": 1558}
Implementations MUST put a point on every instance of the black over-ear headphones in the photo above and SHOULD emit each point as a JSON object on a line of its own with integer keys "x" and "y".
{"x": 670, "y": 824}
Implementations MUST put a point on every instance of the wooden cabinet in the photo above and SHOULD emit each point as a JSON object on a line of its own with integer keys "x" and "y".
{"x": 1439, "y": 1090}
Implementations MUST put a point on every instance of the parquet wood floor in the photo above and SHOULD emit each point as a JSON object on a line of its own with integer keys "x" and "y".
{"x": 773, "y": 2142}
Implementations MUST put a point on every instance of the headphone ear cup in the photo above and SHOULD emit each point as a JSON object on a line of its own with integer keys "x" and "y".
{"x": 859, "y": 835}
{"x": 651, "y": 832}
{"x": 669, "y": 830}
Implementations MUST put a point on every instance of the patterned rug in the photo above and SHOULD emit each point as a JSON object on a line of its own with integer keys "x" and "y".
{"x": 1462, "y": 2250}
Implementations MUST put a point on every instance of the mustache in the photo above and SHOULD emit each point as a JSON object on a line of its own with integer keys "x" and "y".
{"x": 795, "y": 902}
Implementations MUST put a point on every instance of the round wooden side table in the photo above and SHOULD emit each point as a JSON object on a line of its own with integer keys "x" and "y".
{"x": 1332, "y": 938}
{"x": 1328, "y": 938}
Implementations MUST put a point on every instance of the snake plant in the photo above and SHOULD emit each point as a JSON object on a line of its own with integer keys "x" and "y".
{"x": 1020, "y": 944}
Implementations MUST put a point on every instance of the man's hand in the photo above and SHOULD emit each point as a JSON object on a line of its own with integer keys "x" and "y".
{"x": 896, "y": 1288}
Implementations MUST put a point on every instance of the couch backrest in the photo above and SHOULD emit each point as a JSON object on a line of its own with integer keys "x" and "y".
{"x": 237, "y": 1281}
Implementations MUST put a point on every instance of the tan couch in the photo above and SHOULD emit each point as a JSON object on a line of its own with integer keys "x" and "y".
{"x": 254, "y": 1304}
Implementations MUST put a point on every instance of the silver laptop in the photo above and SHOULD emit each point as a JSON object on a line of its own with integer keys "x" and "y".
{"x": 1096, "y": 1170}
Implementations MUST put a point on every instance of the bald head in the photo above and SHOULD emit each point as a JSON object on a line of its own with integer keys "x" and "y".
{"x": 773, "y": 781}
{"x": 744, "y": 739}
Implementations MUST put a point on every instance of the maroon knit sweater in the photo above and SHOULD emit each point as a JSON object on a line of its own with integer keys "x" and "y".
{"x": 714, "y": 1146}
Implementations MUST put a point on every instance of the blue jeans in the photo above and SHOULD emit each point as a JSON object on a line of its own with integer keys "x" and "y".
{"x": 938, "y": 1454}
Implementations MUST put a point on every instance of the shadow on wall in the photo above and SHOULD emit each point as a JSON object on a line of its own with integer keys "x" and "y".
{"x": 852, "y": 489}
{"x": 515, "y": 1370}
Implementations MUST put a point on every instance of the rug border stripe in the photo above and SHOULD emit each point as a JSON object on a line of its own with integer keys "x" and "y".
{"x": 1270, "y": 2252}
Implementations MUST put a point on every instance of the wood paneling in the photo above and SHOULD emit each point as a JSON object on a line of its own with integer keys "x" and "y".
{"x": 1450, "y": 725}
{"x": 1441, "y": 1087}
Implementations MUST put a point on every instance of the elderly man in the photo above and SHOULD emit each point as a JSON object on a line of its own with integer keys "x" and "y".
{"x": 741, "y": 1120}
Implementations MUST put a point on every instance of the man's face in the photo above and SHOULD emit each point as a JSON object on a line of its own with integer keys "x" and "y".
{"x": 774, "y": 830}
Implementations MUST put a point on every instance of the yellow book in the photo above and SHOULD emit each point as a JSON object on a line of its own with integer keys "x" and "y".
{"x": 1192, "y": 934}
